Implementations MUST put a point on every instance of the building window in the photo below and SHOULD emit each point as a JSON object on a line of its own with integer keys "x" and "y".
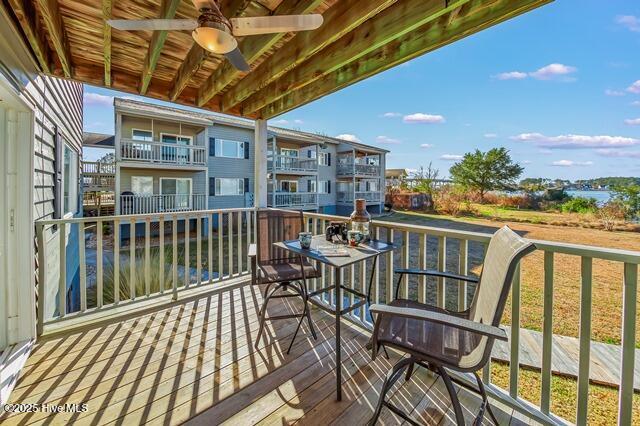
{"x": 323, "y": 158}
{"x": 289, "y": 152}
{"x": 323, "y": 186}
{"x": 289, "y": 186}
{"x": 70, "y": 180}
{"x": 228, "y": 186}
{"x": 142, "y": 185}
{"x": 229, "y": 148}
{"x": 142, "y": 135}
{"x": 312, "y": 186}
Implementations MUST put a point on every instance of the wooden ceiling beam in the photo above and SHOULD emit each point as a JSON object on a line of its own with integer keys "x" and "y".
{"x": 107, "y": 5}
{"x": 411, "y": 45}
{"x": 197, "y": 55}
{"x": 167, "y": 11}
{"x": 55, "y": 28}
{"x": 26, "y": 17}
{"x": 339, "y": 20}
{"x": 252, "y": 48}
{"x": 388, "y": 25}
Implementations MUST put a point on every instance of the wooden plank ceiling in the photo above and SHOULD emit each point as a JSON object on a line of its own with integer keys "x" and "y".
{"x": 359, "y": 38}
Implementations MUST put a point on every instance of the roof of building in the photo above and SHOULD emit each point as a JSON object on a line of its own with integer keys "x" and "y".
{"x": 395, "y": 173}
{"x": 97, "y": 140}
{"x": 208, "y": 118}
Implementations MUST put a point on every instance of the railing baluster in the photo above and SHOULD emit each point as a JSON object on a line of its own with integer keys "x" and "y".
{"x": 389, "y": 269}
{"x": 514, "y": 365}
{"x": 199, "y": 250}
{"x": 248, "y": 228}
{"x": 220, "y": 246}
{"x": 463, "y": 267}
{"x": 586, "y": 270}
{"x": 187, "y": 261}
{"x": 116, "y": 261}
{"x": 210, "y": 247}
{"x": 83, "y": 267}
{"x": 147, "y": 256}
{"x": 132, "y": 259}
{"x": 240, "y": 270}
{"x": 174, "y": 256}
{"x": 62, "y": 279}
{"x": 441, "y": 293}
{"x": 422, "y": 280}
{"x": 627, "y": 365}
{"x": 363, "y": 286}
{"x": 352, "y": 285}
{"x": 406, "y": 242}
{"x": 376, "y": 276}
{"x": 99, "y": 265}
{"x": 161, "y": 271}
{"x": 230, "y": 243}
{"x": 547, "y": 333}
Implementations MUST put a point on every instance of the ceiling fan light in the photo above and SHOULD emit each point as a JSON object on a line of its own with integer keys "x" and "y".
{"x": 214, "y": 38}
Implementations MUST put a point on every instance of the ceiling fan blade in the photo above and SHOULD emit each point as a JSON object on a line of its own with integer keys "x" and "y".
{"x": 237, "y": 60}
{"x": 204, "y": 4}
{"x": 153, "y": 24}
{"x": 274, "y": 24}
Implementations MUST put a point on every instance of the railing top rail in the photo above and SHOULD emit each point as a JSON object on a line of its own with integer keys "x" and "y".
{"x": 618, "y": 255}
{"x": 192, "y": 213}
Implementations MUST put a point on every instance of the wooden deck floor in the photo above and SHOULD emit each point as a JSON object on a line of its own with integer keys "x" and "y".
{"x": 195, "y": 362}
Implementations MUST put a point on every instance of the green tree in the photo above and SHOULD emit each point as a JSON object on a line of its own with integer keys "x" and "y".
{"x": 630, "y": 197}
{"x": 425, "y": 179}
{"x": 486, "y": 171}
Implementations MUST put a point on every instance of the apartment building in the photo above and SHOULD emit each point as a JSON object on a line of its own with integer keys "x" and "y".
{"x": 170, "y": 159}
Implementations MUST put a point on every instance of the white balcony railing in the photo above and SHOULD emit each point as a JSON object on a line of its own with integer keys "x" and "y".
{"x": 159, "y": 203}
{"x": 158, "y": 260}
{"x": 293, "y": 199}
{"x": 350, "y": 196}
{"x": 293, "y": 164}
{"x": 98, "y": 168}
{"x": 164, "y": 153}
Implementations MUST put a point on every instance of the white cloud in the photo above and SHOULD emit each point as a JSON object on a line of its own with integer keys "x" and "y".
{"x": 525, "y": 162}
{"x": 616, "y": 153}
{"x": 96, "y": 99}
{"x": 610, "y": 92}
{"x": 630, "y": 22}
{"x": 571, "y": 163}
{"x": 632, "y": 122}
{"x": 387, "y": 140}
{"x": 391, "y": 115}
{"x": 635, "y": 87}
{"x": 576, "y": 141}
{"x": 298, "y": 121}
{"x": 426, "y": 145}
{"x": 349, "y": 137}
{"x": 490, "y": 135}
{"x": 451, "y": 157}
{"x": 511, "y": 75}
{"x": 281, "y": 121}
{"x": 420, "y": 117}
{"x": 635, "y": 103}
{"x": 553, "y": 71}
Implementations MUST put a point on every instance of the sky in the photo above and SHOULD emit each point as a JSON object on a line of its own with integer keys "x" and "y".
{"x": 559, "y": 87}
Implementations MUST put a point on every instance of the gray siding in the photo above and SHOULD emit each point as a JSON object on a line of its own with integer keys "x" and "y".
{"x": 220, "y": 167}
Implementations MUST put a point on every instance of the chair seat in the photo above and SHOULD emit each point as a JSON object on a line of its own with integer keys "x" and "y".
{"x": 284, "y": 270}
{"x": 441, "y": 342}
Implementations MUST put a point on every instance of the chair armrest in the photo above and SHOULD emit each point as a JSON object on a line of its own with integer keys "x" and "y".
{"x": 440, "y": 318}
{"x": 434, "y": 273}
{"x": 252, "y": 250}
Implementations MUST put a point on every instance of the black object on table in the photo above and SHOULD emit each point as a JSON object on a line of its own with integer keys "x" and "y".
{"x": 364, "y": 251}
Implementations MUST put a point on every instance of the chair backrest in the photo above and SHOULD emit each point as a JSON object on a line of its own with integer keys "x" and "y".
{"x": 274, "y": 226}
{"x": 505, "y": 250}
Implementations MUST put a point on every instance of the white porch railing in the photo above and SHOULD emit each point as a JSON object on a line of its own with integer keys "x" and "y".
{"x": 351, "y": 169}
{"x": 293, "y": 164}
{"x": 165, "y": 153}
{"x": 293, "y": 199}
{"x": 97, "y": 167}
{"x": 349, "y": 196}
{"x": 159, "y": 203}
{"x": 160, "y": 260}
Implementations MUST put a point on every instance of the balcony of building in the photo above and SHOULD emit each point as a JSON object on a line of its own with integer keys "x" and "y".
{"x": 156, "y": 154}
{"x": 98, "y": 176}
{"x": 161, "y": 203}
{"x": 175, "y": 340}
{"x": 359, "y": 164}
{"x": 367, "y": 189}
{"x": 295, "y": 200}
{"x": 292, "y": 157}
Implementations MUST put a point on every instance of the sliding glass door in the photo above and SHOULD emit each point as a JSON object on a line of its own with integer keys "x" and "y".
{"x": 176, "y": 193}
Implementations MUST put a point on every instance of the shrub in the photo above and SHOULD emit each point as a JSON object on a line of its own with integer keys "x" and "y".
{"x": 452, "y": 200}
{"x": 610, "y": 213}
{"x": 579, "y": 205}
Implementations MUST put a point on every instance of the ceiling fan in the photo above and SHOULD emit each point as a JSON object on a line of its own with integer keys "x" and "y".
{"x": 217, "y": 34}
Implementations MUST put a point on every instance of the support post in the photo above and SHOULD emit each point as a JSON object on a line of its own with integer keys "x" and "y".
{"x": 260, "y": 167}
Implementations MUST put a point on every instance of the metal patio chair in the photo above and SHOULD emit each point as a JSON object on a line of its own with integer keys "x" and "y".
{"x": 443, "y": 340}
{"x": 279, "y": 269}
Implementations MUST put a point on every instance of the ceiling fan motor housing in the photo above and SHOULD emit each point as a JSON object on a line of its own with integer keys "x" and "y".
{"x": 214, "y": 33}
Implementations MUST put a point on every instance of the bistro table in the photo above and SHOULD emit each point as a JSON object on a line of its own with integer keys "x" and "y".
{"x": 369, "y": 250}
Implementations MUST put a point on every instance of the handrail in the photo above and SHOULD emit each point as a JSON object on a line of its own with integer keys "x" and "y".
{"x": 288, "y": 163}
{"x": 162, "y": 152}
